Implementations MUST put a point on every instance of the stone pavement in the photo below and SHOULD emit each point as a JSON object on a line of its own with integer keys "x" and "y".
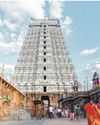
{"x": 45, "y": 122}
{"x": 32, "y": 122}
{"x": 64, "y": 122}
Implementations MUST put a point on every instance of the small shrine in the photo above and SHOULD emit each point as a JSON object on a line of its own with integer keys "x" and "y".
{"x": 95, "y": 80}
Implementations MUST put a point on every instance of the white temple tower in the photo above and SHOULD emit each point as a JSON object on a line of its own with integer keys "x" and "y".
{"x": 44, "y": 64}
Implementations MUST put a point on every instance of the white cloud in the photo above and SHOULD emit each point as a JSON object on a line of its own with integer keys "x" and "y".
{"x": 7, "y": 70}
{"x": 11, "y": 26}
{"x": 22, "y": 35}
{"x": 1, "y": 37}
{"x": 56, "y": 9}
{"x": 19, "y": 9}
{"x": 88, "y": 52}
{"x": 6, "y": 67}
{"x": 13, "y": 36}
{"x": 17, "y": 15}
{"x": 1, "y": 23}
{"x": 67, "y": 21}
{"x": 92, "y": 66}
{"x": 9, "y": 67}
{"x": 12, "y": 47}
{"x": 15, "y": 43}
{"x": 89, "y": 69}
{"x": 98, "y": 66}
{"x": 67, "y": 25}
{"x": 34, "y": 8}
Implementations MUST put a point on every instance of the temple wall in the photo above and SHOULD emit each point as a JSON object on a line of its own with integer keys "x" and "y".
{"x": 10, "y": 97}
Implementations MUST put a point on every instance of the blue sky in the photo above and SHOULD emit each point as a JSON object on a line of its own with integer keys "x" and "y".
{"x": 80, "y": 23}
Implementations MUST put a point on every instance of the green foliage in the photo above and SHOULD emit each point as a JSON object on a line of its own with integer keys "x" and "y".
{"x": 6, "y": 98}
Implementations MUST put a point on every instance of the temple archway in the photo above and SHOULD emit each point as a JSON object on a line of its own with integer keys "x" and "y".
{"x": 46, "y": 100}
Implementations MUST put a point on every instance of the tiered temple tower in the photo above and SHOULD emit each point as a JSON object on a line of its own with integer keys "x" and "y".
{"x": 44, "y": 67}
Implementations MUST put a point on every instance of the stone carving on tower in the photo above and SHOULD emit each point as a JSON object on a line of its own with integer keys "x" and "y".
{"x": 44, "y": 64}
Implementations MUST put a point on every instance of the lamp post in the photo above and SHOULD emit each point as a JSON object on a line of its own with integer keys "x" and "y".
{"x": 87, "y": 82}
{"x": 84, "y": 85}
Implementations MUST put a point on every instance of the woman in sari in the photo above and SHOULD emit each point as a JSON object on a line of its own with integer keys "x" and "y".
{"x": 97, "y": 107}
{"x": 93, "y": 117}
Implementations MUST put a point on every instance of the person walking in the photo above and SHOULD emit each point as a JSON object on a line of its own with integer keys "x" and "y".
{"x": 51, "y": 111}
{"x": 56, "y": 111}
{"x": 63, "y": 113}
{"x": 59, "y": 112}
{"x": 77, "y": 112}
{"x": 66, "y": 113}
{"x": 72, "y": 112}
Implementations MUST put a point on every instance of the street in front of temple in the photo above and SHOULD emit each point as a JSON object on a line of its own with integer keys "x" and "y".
{"x": 46, "y": 122}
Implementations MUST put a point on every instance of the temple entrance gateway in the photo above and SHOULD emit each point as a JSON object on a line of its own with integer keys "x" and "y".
{"x": 46, "y": 101}
{"x": 43, "y": 77}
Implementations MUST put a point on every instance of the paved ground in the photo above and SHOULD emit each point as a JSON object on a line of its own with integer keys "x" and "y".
{"x": 45, "y": 122}
{"x": 64, "y": 122}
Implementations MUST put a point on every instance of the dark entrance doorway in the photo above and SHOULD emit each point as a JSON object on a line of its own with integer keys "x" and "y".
{"x": 46, "y": 100}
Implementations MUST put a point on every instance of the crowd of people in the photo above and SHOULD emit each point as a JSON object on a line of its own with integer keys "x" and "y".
{"x": 72, "y": 113}
{"x": 75, "y": 112}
